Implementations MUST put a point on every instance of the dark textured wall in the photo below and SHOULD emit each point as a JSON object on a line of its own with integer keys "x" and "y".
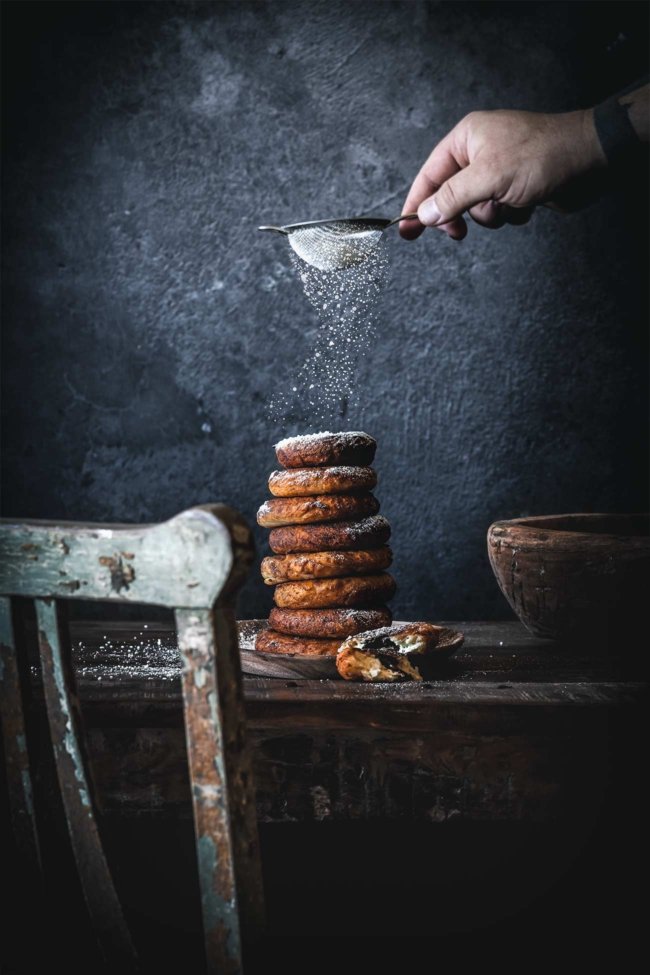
{"x": 146, "y": 322}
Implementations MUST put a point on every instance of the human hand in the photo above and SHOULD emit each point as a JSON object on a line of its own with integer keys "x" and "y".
{"x": 498, "y": 166}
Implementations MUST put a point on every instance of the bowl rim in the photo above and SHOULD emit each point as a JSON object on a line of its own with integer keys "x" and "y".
{"x": 531, "y": 525}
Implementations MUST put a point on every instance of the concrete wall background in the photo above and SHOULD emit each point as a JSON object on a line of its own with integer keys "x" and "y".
{"x": 146, "y": 322}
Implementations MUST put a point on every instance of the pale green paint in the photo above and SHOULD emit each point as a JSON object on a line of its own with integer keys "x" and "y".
{"x": 182, "y": 562}
{"x": 217, "y": 910}
{"x": 47, "y": 620}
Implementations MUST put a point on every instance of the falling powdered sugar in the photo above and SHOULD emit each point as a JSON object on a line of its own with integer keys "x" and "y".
{"x": 347, "y": 303}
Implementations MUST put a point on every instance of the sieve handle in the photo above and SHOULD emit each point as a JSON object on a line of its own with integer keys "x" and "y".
{"x": 278, "y": 230}
{"x": 402, "y": 216}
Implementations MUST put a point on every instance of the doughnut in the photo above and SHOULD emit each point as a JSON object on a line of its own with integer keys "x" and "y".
{"x": 323, "y": 507}
{"x": 367, "y": 533}
{"x": 347, "y": 591}
{"x": 321, "y": 480}
{"x": 324, "y": 565}
{"x": 328, "y": 622}
{"x": 326, "y": 449}
{"x": 268, "y": 641}
{"x": 388, "y": 654}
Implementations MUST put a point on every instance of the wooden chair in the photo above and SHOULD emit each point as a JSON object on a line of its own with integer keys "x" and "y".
{"x": 193, "y": 563}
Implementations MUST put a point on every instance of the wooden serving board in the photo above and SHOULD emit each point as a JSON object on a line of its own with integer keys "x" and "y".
{"x": 318, "y": 668}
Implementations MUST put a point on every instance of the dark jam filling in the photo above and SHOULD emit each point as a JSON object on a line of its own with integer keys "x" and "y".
{"x": 387, "y": 661}
{"x": 390, "y": 650}
{"x": 381, "y": 643}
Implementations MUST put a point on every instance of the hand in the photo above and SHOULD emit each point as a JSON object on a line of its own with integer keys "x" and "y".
{"x": 498, "y": 166}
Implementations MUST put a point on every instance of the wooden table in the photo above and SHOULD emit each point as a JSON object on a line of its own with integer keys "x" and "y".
{"x": 514, "y": 729}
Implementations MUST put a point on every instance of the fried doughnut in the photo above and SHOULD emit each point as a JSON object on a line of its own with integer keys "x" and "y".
{"x": 326, "y": 449}
{"x": 324, "y": 565}
{"x": 321, "y": 480}
{"x": 269, "y": 641}
{"x": 335, "y": 535}
{"x": 347, "y": 591}
{"x": 328, "y": 622}
{"x": 323, "y": 507}
{"x": 389, "y": 654}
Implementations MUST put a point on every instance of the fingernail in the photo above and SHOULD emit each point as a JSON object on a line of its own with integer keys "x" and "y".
{"x": 428, "y": 213}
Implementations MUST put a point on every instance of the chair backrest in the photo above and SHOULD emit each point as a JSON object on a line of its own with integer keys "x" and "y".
{"x": 194, "y": 564}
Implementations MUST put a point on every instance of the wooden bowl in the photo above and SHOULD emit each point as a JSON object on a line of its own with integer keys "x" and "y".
{"x": 580, "y": 577}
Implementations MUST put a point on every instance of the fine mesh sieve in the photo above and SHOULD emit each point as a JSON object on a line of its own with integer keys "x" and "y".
{"x": 332, "y": 245}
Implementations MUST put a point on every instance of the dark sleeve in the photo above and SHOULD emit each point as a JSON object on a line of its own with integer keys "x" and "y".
{"x": 616, "y": 133}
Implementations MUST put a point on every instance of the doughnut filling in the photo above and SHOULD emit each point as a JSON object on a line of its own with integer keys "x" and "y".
{"x": 387, "y": 654}
{"x": 380, "y": 666}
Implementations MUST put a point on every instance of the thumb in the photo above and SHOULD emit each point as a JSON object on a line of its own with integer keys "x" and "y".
{"x": 465, "y": 189}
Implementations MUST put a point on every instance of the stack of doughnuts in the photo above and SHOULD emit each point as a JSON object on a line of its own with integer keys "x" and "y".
{"x": 329, "y": 544}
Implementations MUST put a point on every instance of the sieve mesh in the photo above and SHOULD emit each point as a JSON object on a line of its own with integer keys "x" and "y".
{"x": 335, "y": 245}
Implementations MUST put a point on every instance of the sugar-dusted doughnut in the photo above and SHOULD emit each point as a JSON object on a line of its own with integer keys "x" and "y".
{"x": 328, "y": 622}
{"x": 388, "y": 654}
{"x": 269, "y": 641}
{"x": 324, "y": 565}
{"x": 326, "y": 449}
{"x": 321, "y": 480}
{"x": 335, "y": 535}
{"x": 346, "y": 591}
{"x": 323, "y": 507}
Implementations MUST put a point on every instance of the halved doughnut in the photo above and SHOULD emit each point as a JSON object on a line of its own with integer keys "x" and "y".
{"x": 326, "y": 449}
{"x": 367, "y": 533}
{"x": 328, "y": 622}
{"x": 269, "y": 641}
{"x": 346, "y": 591}
{"x": 323, "y": 507}
{"x": 321, "y": 480}
{"x": 324, "y": 565}
{"x": 388, "y": 654}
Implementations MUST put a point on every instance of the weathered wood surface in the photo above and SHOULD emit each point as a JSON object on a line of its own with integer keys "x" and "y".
{"x": 131, "y": 662}
{"x": 192, "y": 564}
{"x": 221, "y": 778}
{"x": 513, "y": 730}
{"x": 185, "y": 562}
{"x": 314, "y": 668}
{"x": 18, "y": 773}
{"x": 77, "y": 791}
{"x": 578, "y": 576}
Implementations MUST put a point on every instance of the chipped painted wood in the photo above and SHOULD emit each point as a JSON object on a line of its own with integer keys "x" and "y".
{"x": 186, "y": 562}
{"x": 221, "y": 781}
{"x": 65, "y": 722}
{"x": 193, "y": 563}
